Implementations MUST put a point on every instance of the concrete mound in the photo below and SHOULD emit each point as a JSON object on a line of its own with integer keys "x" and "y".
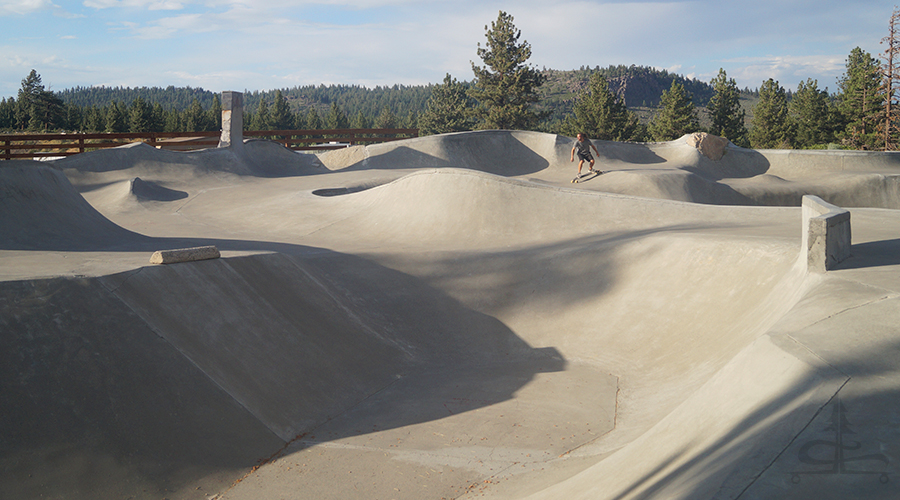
{"x": 254, "y": 158}
{"x": 42, "y": 211}
{"x": 500, "y": 152}
{"x": 151, "y": 191}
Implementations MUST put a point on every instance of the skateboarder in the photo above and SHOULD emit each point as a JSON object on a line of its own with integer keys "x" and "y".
{"x": 582, "y": 146}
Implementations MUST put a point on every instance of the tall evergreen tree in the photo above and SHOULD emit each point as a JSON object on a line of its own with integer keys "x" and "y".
{"x": 195, "y": 118}
{"x": 140, "y": 116}
{"x": 860, "y": 100}
{"x": 506, "y": 87}
{"x": 116, "y": 118}
{"x": 281, "y": 117}
{"x": 27, "y": 99}
{"x": 360, "y": 121}
{"x": 725, "y": 111}
{"x": 809, "y": 110}
{"x": 448, "y": 109}
{"x": 7, "y": 113}
{"x": 47, "y": 112}
{"x": 214, "y": 114}
{"x": 37, "y": 108}
{"x": 313, "y": 120}
{"x": 336, "y": 118}
{"x": 676, "y": 115}
{"x": 386, "y": 119}
{"x": 771, "y": 126}
{"x": 601, "y": 115}
{"x": 158, "y": 117}
{"x": 261, "y": 118}
{"x": 94, "y": 120}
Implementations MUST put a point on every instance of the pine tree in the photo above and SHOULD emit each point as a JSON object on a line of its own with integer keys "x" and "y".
{"x": 93, "y": 120}
{"x": 448, "y": 109}
{"x": 261, "y": 117}
{"x": 360, "y": 121}
{"x": 37, "y": 108}
{"x": 506, "y": 87}
{"x": 158, "y": 117}
{"x": 386, "y": 119}
{"x": 809, "y": 110}
{"x": 336, "y": 118}
{"x": 140, "y": 116}
{"x": 281, "y": 117}
{"x": 195, "y": 119}
{"x": 7, "y": 113}
{"x": 676, "y": 115}
{"x": 27, "y": 99}
{"x": 725, "y": 110}
{"x": 771, "y": 127}
{"x": 860, "y": 100}
{"x": 313, "y": 120}
{"x": 601, "y": 115}
{"x": 116, "y": 118}
{"x": 214, "y": 114}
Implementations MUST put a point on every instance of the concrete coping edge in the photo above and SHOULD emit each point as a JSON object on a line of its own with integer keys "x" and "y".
{"x": 184, "y": 255}
{"x": 826, "y": 234}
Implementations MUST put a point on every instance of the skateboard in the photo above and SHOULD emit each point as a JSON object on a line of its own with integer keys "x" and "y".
{"x": 579, "y": 178}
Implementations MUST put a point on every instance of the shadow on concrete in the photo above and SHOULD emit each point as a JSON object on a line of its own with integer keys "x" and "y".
{"x": 846, "y": 447}
{"x": 498, "y": 152}
{"x": 872, "y": 254}
{"x": 636, "y": 153}
{"x": 141, "y": 383}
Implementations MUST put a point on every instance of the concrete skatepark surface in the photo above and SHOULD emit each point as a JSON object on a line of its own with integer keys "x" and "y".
{"x": 447, "y": 317}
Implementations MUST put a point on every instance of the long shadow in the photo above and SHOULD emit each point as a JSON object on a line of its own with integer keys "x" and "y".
{"x": 496, "y": 152}
{"x": 848, "y": 449}
{"x": 178, "y": 373}
{"x": 872, "y": 254}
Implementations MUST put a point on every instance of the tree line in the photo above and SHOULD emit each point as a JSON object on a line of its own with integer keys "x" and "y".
{"x": 507, "y": 93}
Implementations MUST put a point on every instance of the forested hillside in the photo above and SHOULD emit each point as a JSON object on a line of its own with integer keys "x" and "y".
{"x": 316, "y": 106}
{"x": 640, "y": 86}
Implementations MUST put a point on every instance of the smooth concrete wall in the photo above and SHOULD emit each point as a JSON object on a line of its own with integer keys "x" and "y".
{"x": 826, "y": 234}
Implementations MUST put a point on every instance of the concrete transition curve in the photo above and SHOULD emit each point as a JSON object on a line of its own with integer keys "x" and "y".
{"x": 451, "y": 317}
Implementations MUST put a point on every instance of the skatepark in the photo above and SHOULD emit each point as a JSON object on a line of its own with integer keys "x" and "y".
{"x": 450, "y": 317}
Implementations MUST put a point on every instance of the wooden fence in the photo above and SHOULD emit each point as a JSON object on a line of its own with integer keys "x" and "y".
{"x": 55, "y": 145}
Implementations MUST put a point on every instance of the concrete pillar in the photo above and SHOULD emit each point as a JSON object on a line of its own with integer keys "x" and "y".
{"x": 826, "y": 234}
{"x": 232, "y": 120}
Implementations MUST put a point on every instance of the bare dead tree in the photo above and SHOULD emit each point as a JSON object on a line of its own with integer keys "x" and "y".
{"x": 890, "y": 74}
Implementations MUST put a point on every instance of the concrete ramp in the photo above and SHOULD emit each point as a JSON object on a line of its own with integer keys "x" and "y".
{"x": 42, "y": 211}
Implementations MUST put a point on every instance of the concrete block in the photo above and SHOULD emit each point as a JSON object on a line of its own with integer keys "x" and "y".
{"x": 184, "y": 255}
{"x": 826, "y": 234}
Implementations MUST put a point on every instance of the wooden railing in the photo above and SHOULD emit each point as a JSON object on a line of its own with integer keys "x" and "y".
{"x": 14, "y": 146}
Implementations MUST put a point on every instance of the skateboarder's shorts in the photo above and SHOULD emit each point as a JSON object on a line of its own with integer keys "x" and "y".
{"x": 585, "y": 156}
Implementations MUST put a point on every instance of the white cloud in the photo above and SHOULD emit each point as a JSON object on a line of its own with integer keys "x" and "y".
{"x": 10, "y": 7}
{"x": 139, "y": 4}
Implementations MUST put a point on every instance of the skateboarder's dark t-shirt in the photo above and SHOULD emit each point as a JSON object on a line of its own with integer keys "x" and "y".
{"x": 583, "y": 148}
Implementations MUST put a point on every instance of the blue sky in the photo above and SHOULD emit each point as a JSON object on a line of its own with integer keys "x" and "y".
{"x": 269, "y": 44}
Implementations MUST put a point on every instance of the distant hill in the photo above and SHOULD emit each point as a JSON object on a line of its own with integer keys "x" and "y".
{"x": 640, "y": 87}
{"x": 171, "y": 97}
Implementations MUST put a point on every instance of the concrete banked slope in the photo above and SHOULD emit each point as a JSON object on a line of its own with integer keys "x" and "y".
{"x": 447, "y": 317}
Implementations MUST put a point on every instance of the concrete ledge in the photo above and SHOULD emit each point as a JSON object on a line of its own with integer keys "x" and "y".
{"x": 184, "y": 255}
{"x": 826, "y": 234}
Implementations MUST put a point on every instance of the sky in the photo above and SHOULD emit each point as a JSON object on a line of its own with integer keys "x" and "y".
{"x": 247, "y": 45}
